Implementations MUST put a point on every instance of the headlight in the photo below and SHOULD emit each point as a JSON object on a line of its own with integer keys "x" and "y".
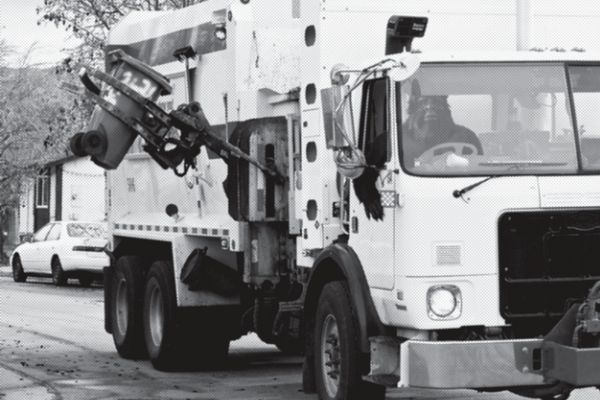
{"x": 444, "y": 302}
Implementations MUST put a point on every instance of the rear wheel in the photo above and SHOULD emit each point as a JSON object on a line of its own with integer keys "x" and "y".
{"x": 58, "y": 275}
{"x": 177, "y": 341}
{"x": 126, "y": 307}
{"x": 338, "y": 363}
{"x": 17, "y": 270}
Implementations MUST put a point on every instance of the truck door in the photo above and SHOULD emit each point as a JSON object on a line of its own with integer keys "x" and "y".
{"x": 373, "y": 197}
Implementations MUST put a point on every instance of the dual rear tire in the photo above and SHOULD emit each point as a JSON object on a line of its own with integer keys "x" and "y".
{"x": 146, "y": 321}
{"x": 178, "y": 339}
{"x": 126, "y": 306}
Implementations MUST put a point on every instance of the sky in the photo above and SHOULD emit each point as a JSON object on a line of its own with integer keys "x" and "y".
{"x": 18, "y": 26}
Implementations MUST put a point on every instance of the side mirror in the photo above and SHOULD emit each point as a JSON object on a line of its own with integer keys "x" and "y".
{"x": 350, "y": 162}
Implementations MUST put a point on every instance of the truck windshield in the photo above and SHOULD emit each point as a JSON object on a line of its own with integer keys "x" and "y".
{"x": 497, "y": 119}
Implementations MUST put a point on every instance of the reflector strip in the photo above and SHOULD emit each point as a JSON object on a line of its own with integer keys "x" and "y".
{"x": 173, "y": 229}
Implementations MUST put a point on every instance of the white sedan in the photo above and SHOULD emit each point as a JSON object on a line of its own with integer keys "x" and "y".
{"x": 63, "y": 250}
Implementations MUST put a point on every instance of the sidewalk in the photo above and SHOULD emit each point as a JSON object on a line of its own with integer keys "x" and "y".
{"x": 5, "y": 270}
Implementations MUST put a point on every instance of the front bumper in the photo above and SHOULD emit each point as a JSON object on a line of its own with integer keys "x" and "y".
{"x": 481, "y": 364}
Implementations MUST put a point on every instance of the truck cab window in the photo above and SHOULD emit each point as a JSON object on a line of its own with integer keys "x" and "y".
{"x": 585, "y": 82}
{"x": 374, "y": 137}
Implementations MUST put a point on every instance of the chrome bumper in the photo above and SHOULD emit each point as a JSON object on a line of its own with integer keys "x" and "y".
{"x": 480, "y": 364}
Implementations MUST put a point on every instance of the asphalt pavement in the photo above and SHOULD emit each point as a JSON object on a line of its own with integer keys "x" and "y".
{"x": 53, "y": 347}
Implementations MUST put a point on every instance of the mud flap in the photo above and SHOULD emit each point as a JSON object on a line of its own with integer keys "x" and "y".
{"x": 201, "y": 272}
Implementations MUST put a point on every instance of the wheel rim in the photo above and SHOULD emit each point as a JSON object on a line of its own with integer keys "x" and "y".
{"x": 156, "y": 315}
{"x": 121, "y": 306}
{"x": 330, "y": 355}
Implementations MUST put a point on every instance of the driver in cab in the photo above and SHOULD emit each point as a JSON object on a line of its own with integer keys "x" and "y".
{"x": 430, "y": 131}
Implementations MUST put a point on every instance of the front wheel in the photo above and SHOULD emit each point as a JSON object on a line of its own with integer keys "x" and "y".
{"x": 339, "y": 363}
{"x": 17, "y": 270}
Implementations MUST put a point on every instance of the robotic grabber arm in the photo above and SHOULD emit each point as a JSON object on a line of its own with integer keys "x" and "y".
{"x": 123, "y": 112}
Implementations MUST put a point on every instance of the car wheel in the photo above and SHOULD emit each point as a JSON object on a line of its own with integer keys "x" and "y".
{"x": 17, "y": 270}
{"x": 338, "y": 364}
{"x": 59, "y": 278}
{"x": 126, "y": 307}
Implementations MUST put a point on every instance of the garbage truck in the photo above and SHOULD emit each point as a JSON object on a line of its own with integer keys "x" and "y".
{"x": 404, "y": 219}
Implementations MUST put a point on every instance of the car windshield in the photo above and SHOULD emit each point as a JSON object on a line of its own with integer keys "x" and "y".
{"x": 492, "y": 119}
{"x": 86, "y": 230}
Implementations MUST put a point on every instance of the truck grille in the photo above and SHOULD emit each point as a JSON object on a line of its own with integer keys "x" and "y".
{"x": 548, "y": 260}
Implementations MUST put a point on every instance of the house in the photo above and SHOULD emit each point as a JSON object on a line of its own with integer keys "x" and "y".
{"x": 71, "y": 188}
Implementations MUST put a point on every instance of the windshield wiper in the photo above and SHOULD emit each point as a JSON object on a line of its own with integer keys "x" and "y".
{"x": 515, "y": 164}
{"x": 460, "y": 192}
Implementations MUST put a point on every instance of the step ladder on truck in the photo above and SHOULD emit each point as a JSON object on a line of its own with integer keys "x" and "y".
{"x": 319, "y": 200}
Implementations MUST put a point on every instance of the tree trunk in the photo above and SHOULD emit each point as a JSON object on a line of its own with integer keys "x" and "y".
{"x": 3, "y": 228}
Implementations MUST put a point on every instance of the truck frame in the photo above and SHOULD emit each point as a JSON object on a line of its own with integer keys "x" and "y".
{"x": 299, "y": 214}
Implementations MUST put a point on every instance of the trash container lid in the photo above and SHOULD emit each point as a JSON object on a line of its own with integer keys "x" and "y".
{"x": 160, "y": 79}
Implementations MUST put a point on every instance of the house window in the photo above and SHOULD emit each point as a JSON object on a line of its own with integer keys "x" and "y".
{"x": 42, "y": 193}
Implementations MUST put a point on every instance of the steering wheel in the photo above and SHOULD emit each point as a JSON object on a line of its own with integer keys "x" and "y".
{"x": 458, "y": 148}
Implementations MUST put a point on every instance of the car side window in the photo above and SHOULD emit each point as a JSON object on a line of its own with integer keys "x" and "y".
{"x": 54, "y": 232}
{"x": 40, "y": 235}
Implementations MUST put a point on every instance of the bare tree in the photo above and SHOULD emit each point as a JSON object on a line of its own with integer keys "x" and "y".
{"x": 36, "y": 119}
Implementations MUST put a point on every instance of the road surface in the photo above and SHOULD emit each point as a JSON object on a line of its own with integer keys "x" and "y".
{"x": 53, "y": 346}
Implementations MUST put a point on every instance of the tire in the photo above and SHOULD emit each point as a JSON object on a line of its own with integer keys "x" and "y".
{"x": 160, "y": 328}
{"x": 17, "y": 270}
{"x": 176, "y": 339}
{"x": 339, "y": 364}
{"x": 58, "y": 274}
{"x": 126, "y": 307}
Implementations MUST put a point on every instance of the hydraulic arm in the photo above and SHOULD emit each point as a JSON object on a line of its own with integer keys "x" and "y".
{"x": 151, "y": 122}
